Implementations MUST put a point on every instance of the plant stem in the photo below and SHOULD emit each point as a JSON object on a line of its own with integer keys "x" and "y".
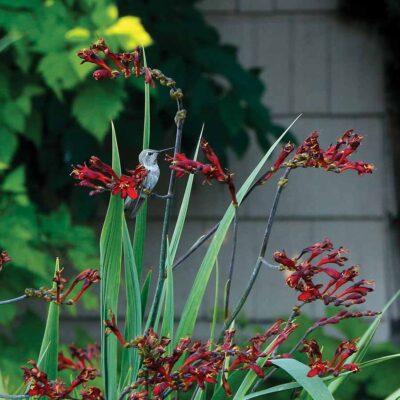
{"x": 14, "y": 396}
{"x": 126, "y": 390}
{"x": 14, "y": 300}
{"x": 256, "y": 270}
{"x": 232, "y": 265}
{"x": 167, "y": 216}
{"x": 202, "y": 239}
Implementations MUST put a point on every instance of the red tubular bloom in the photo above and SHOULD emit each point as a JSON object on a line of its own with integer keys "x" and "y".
{"x": 92, "y": 393}
{"x": 323, "y": 368}
{"x": 59, "y": 281}
{"x": 283, "y": 155}
{"x": 335, "y": 158}
{"x": 84, "y": 357}
{"x": 214, "y": 170}
{"x": 148, "y": 78}
{"x": 302, "y": 277}
{"x": 39, "y": 384}
{"x": 88, "y": 277}
{"x": 136, "y": 61}
{"x": 202, "y": 363}
{"x": 281, "y": 258}
{"x": 101, "y": 177}
{"x": 111, "y": 326}
{"x": 101, "y": 74}
{"x": 343, "y": 315}
{"x": 4, "y": 259}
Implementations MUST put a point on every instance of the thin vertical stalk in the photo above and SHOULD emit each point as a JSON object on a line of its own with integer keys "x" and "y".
{"x": 231, "y": 267}
{"x": 267, "y": 234}
{"x": 179, "y": 120}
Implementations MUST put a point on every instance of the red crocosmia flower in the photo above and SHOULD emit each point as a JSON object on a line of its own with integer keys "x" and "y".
{"x": 4, "y": 259}
{"x": 148, "y": 78}
{"x": 310, "y": 155}
{"x": 213, "y": 171}
{"x": 126, "y": 62}
{"x": 344, "y": 314}
{"x": 80, "y": 357}
{"x": 282, "y": 258}
{"x": 92, "y": 393}
{"x": 303, "y": 273}
{"x": 334, "y": 367}
{"x": 101, "y": 74}
{"x": 100, "y": 177}
{"x": 111, "y": 327}
{"x": 283, "y": 155}
{"x": 200, "y": 363}
{"x": 39, "y": 384}
{"x": 88, "y": 277}
{"x": 126, "y": 187}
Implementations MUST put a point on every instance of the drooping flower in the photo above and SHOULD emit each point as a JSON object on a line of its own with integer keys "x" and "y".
{"x": 212, "y": 171}
{"x": 39, "y": 384}
{"x": 196, "y": 363}
{"x": 334, "y": 367}
{"x": 341, "y": 315}
{"x": 92, "y": 393}
{"x": 302, "y": 275}
{"x": 88, "y": 277}
{"x": 4, "y": 259}
{"x": 80, "y": 357}
{"x": 125, "y": 62}
{"x": 100, "y": 177}
{"x": 311, "y": 155}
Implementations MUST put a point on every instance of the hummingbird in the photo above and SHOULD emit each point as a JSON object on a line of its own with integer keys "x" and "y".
{"x": 148, "y": 158}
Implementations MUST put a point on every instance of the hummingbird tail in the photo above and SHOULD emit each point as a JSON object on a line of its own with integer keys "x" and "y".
{"x": 133, "y": 206}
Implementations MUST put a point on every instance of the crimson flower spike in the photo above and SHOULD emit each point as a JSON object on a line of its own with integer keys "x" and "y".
{"x": 111, "y": 327}
{"x": 88, "y": 277}
{"x": 4, "y": 259}
{"x": 126, "y": 62}
{"x": 340, "y": 316}
{"x": 212, "y": 171}
{"x": 303, "y": 273}
{"x": 334, "y": 367}
{"x": 283, "y": 155}
{"x": 100, "y": 177}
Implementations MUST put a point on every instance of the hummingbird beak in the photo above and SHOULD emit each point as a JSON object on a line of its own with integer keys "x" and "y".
{"x": 163, "y": 150}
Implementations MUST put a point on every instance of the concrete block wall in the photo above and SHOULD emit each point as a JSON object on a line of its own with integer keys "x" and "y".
{"x": 313, "y": 63}
{"x": 332, "y": 72}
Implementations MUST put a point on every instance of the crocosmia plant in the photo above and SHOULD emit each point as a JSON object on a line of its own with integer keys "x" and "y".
{"x": 147, "y": 355}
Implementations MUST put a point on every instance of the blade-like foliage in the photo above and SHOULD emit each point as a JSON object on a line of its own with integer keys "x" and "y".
{"x": 48, "y": 354}
{"x": 145, "y": 292}
{"x": 133, "y": 316}
{"x": 141, "y": 217}
{"x": 180, "y": 222}
{"x": 315, "y": 386}
{"x": 216, "y": 298}
{"x": 167, "y": 327}
{"x": 192, "y": 306}
{"x": 295, "y": 385}
{"x": 110, "y": 271}
{"x": 172, "y": 249}
{"x": 394, "y": 396}
{"x": 363, "y": 343}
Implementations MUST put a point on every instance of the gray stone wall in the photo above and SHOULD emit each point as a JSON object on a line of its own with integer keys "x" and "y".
{"x": 313, "y": 63}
